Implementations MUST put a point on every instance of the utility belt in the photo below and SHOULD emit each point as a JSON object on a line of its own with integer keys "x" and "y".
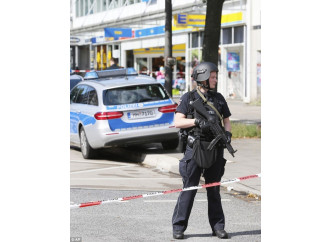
{"x": 187, "y": 136}
{"x": 203, "y": 157}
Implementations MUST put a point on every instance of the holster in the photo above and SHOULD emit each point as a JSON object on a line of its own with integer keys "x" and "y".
{"x": 183, "y": 140}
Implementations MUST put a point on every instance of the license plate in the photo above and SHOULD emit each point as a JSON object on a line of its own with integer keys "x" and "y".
{"x": 141, "y": 114}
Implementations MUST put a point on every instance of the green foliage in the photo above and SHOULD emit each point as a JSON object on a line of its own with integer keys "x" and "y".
{"x": 240, "y": 130}
{"x": 256, "y": 102}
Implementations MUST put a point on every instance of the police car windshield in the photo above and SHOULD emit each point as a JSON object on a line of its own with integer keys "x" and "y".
{"x": 134, "y": 94}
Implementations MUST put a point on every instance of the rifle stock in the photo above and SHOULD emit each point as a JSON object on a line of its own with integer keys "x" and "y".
{"x": 216, "y": 129}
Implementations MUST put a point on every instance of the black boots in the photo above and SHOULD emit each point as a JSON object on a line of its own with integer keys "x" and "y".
{"x": 177, "y": 234}
{"x": 222, "y": 234}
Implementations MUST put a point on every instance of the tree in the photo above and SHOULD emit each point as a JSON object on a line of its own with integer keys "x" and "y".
{"x": 168, "y": 46}
{"x": 212, "y": 30}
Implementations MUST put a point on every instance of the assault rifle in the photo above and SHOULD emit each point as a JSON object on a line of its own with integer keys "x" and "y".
{"x": 216, "y": 129}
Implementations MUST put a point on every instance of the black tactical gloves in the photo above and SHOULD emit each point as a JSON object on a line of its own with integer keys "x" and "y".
{"x": 204, "y": 125}
{"x": 228, "y": 134}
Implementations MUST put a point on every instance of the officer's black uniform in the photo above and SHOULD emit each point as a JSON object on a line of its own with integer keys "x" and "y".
{"x": 191, "y": 173}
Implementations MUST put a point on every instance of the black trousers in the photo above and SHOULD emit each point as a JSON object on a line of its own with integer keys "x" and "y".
{"x": 191, "y": 174}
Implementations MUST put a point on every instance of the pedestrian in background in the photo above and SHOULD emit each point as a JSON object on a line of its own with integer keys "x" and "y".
{"x": 113, "y": 64}
{"x": 191, "y": 167}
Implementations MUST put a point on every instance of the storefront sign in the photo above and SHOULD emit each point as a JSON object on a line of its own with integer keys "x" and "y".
{"x": 101, "y": 39}
{"x": 182, "y": 19}
{"x": 233, "y": 18}
{"x": 198, "y": 20}
{"x": 74, "y": 40}
{"x": 118, "y": 33}
{"x": 150, "y": 31}
{"x": 180, "y": 48}
{"x": 79, "y": 40}
{"x": 232, "y": 61}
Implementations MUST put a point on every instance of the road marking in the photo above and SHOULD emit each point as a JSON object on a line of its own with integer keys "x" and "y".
{"x": 96, "y": 162}
{"x": 100, "y": 169}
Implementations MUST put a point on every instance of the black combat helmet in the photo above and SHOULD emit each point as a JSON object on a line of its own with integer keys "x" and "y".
{"x": 202, "y": 73}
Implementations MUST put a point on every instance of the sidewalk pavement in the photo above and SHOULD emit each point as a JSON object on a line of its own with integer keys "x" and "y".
{"x": 247, "y": 160}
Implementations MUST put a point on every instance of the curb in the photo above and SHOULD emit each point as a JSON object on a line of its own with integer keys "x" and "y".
{"x": 164, "y": 163}
{"x": 167, "y": 163}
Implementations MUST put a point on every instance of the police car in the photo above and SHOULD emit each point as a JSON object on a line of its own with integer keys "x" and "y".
{"x": 74, "y": 80}
{"x": 120, "y": 108}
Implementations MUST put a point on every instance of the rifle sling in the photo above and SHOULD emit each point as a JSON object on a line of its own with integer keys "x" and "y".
{"x": 208, "y": 103}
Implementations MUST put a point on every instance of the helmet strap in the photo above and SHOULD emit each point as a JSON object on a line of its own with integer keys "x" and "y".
{"x": 207, "y": 86}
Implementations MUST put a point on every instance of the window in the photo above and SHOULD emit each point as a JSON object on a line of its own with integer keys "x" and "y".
{"x": 201, "y": 34}
{"x": 134, "y": 94}
{"x": 194, "y": 40}
{"x": 81, "y": 4}
{"x": 104, "y": 5}
{"x": 239, "y": 34}
{"x": 83, "y": 96}
{"x": 86, "y": 7}
{"x": 92, "y": 97}
{"x": 91, "y": 7}
{"x": 98, "y": 6}
{"x": 77, "y": 8}
{"x": 197, "y": 39}
{"x": 142, "y": 64}
{"x": 77, "y": 94}
{"x": 226, "y": 36}
{"x": 74, "y": 94}
{"x": 80, "y": 95}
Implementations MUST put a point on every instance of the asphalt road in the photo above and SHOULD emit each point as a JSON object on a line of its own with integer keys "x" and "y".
{"x": 120, "y": 174}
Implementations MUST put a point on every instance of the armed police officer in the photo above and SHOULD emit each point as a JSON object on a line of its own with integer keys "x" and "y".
{"x": 197, "y": 159}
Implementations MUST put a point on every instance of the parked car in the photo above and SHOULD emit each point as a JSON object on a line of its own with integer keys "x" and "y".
{"x": 114, "y": 108}
{"x": 74, "y": 80}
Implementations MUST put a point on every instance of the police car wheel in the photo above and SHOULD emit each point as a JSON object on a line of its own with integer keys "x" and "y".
{"x": 86, "y": 150}
{"x": 170, "y": 144}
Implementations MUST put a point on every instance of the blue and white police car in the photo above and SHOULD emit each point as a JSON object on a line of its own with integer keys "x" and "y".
{"x": 120, "y": 108}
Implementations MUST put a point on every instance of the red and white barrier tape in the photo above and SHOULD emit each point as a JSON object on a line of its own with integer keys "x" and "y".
{"x": 81, "y": 205}
{"x": 80, "y": 71}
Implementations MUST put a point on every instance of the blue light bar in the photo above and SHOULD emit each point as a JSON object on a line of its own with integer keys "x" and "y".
{"x": 130, "y": 71}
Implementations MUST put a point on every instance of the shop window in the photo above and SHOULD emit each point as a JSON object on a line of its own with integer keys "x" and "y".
{"x": 226, "y": 36}
{"x": 194, "y": 40}
{"x": 181, "y": 67}
{"x": 157, "y": 65}
{"x": 239, "y": 34}
{"x": 129, "y": 58}
{"x": 142, "y": 65}
{"x": 201, "y": 34}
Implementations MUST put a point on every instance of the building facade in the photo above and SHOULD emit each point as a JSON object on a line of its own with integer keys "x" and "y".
{"x": 133, "y": 33}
